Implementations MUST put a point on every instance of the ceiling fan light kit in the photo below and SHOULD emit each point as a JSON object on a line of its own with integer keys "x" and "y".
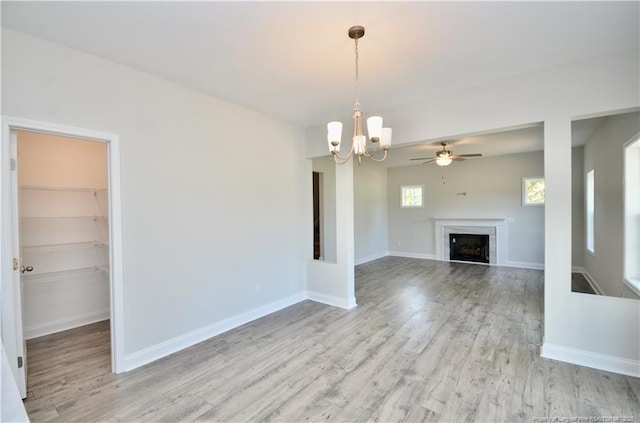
{"x": 377, "y": 134}
{"x": 445, "y": 157}
{"x": 444, "y": 161}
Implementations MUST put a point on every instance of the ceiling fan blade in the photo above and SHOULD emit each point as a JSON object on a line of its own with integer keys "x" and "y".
{"x": 457, "y": 158}
{"x": 429, "y": 161}
{"x": 422, "y": 158}
{"x": 468, "y": 155}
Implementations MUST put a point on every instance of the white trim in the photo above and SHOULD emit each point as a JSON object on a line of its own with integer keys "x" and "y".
{"x": 412, "y": 255}
{"x": 577, "y": 269}
{"x": 331, "y": 300}
{"x": 608, "y": 363}
{"x": 525, "y": 265}
{"x": 9, "y": 124}
{"x": 592, "y": 282}
{"x": 170, "y": 346}
{"x": 67, "y": 323}
{"x": 372, "y": 257}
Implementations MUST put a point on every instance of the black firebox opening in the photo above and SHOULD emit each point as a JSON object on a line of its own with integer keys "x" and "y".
{"x": 469, "y": 247}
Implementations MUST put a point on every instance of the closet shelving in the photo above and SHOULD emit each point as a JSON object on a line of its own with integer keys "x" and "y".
{"x": 63, "y": 241}
{"x": 53, "y": 276}
{"x": 64, "y": 246}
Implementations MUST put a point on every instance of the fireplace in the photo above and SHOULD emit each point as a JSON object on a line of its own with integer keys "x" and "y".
{"x": 496, "y": 229}
{"x": 469, "y": 247}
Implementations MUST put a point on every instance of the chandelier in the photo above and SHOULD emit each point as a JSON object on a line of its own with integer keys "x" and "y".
{"x": 380, "y": 137}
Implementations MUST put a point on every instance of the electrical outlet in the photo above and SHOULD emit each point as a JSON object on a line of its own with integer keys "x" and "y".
{"x": 258, "y": 288}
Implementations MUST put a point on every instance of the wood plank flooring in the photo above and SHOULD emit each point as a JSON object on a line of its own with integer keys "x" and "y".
{"x": 429, "y": 341}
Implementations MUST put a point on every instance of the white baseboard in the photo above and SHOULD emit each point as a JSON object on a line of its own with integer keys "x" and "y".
{"x": 170, "y": 346}
{"x": 331, "y": 300}
{"x": 525, "y": 265}
{"x": 412, "y": 255}
{"x": 593, "y": 283}
{"x": 590, "y": 359}
{"x": 371, "y": 258}
{"x": 67, "y": 323}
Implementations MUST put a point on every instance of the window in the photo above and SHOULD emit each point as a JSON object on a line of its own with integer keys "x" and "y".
{"x": 412, "y": 196}
{"x": 590, "y": 210}
{"x": 533, "y": 191}
{"x": 632, "y": 214}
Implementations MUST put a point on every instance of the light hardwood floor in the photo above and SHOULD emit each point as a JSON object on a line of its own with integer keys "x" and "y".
{"x": 429, "y": 341}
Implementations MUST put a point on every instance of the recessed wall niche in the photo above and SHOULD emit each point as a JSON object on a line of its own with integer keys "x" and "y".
{"x": 598, "y": 206}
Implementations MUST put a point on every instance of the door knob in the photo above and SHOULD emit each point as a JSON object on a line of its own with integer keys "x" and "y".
{"x": 26, "y": 269}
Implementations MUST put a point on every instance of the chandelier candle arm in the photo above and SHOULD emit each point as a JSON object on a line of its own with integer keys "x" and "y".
{"x": 377, "y": 134}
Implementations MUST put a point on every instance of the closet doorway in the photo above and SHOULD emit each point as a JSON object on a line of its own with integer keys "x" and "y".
{"x": 61, "y": 228}
{"x": 63, "y": 209}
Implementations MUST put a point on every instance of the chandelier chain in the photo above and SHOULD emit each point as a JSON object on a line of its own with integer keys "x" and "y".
{"x": 356, "y": 106}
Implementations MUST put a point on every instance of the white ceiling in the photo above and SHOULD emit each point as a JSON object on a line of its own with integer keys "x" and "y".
{"x": 293, "y": 60}
{"x": 518, "y": 140}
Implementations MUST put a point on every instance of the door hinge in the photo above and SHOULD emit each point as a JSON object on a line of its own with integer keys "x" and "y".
{"x": 13, "y": 164}
{"x": 19, "y": 362}
{"x": 15, "y": 264}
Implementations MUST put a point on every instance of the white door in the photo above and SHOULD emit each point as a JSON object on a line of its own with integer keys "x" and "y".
{"x": 18, "y": 269}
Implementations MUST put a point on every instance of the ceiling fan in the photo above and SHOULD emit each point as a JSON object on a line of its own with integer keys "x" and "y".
{"x": 444, "y": 157}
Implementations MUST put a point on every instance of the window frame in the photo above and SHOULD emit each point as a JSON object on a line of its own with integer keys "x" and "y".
{"x": 631, "y": 152}
{"x": 590, "y": 211}
{"x": 403, "y": 189}
{"x": 525, "y": 183}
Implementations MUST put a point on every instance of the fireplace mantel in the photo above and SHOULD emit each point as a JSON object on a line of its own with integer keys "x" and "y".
{"x": 496, "y": 228}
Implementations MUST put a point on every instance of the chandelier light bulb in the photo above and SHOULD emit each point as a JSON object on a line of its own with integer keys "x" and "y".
{"x": 374, "y": 127}
{"x": 385, "y": 138}
{"x": 334, "y": 136}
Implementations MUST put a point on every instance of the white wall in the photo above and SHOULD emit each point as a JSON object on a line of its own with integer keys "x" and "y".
{"x": 605, "y": 154}
{"x": 51, "y": 160}
{"x": 591, "y": 330}
{"x": 333, "y": 283}
{"x": 494, "y": 190}
{"x": 370, "y": 211}
{"x": 215, "y": 224}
